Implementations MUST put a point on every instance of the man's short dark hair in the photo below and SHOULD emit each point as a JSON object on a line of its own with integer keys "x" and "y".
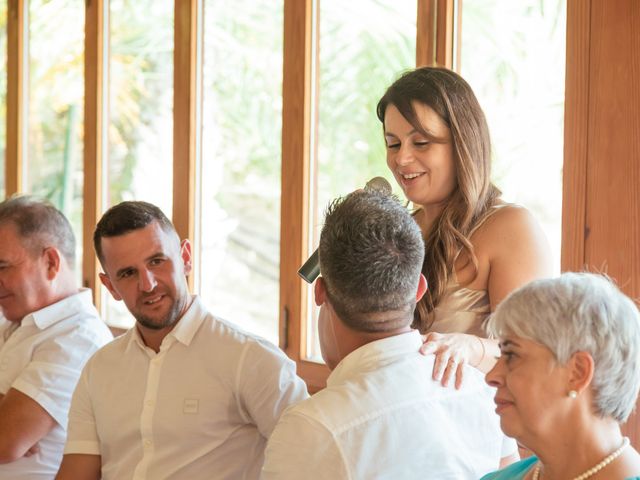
{"x": 126, "y": 217}
{"x": 40, "y": 225}
{"x": 371, "y": 253}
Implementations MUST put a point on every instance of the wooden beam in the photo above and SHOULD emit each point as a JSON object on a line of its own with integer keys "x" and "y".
{"x": 95, "y": 142}
{"x": 576, "y": 120}
{"x": 186, "y": 118}
{"x": 426, "y": 33}
{"x": 444, "y": 33}
{"x": 17, "y": 72}
{"x": 435, "y": 32}
{"x": 294, "y": 210}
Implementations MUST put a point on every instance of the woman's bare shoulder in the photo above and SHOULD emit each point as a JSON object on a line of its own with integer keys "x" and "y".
{"x": 516, "y": 249}
{"x": 509, "y": 222}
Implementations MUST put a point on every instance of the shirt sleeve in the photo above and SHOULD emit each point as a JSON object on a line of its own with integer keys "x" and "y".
{"x": 52, "y": 374}
{"x": 302, "y": 448}
{"x": 82, "y": 435}
{"x": 267, "y": 384}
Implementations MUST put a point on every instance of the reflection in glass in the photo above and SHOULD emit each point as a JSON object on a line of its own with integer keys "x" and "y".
{"x": 359, "y": 57}
{"x": 3, "y": 94}
{"x": 513, "y": 56}
{"x": 240, "y": 212}
{"x": 54, "y": 159}
{"x": 140, "y": 111}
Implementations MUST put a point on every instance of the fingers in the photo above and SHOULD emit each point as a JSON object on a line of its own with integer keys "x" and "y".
{"x": 449, "y": 371}
{"x": 440, "y": 364}
{"x": 33, "y": 450}
{"x": 431, "y": 344}
{"x": 459, "y": 375}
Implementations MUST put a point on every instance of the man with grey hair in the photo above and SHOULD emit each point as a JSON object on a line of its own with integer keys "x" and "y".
{"x": 381, "y": 415}
{"x": 48, "y": 329}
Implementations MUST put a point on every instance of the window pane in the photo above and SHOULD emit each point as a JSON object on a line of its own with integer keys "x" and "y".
{"x": 513, "y": 55}
{"x": 3, "y": 94}
{"x": 54, "y": 159}
{"x": 364, "y": 45}
{"x": 240, "y": 213}
{"x": 140, "y": 111}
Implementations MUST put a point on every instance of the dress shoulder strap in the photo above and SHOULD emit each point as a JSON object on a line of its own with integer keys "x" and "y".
{"x": 493, "y": 209}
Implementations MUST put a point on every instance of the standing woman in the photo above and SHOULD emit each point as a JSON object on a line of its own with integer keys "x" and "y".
{"x": 478, "y": 248}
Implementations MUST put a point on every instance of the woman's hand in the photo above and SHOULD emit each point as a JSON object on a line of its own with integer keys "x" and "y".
{"x": 452, "y": 351}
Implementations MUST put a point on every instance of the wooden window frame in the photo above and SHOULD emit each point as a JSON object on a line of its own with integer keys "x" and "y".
{"x": 296, "y": 130}
{"x": 434, "y": 45}
{"x": 17, "y": 77}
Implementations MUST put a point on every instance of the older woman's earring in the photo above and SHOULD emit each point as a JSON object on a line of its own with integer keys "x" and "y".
{"x": 573, "y": 394}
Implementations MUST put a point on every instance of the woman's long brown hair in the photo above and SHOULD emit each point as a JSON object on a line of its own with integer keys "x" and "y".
{"x": 451, "y": 97}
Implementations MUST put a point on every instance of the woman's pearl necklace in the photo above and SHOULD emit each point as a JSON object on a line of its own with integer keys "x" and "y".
{"x": 592, "y": 470}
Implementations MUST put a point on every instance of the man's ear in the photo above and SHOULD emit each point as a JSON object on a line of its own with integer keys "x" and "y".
{"x": 106, "y": 281}
{"x": 52, "y": 259}
{"x": 580, "y": 371}
{"x": 320, "y": 291}
{"x": 185, "y": 253}
{"x": 422, "y": 287}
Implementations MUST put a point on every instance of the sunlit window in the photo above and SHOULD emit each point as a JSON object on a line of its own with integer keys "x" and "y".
{"x": 54, "y": 158}
{"x": 359, "y": 57}
{"x": 140, "y": 163}
{"x": 240, "y": 180}
{"x": 513, "y": 55}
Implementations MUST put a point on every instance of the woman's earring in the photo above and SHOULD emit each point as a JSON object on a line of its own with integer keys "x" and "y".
{"x": 573, "y": 394}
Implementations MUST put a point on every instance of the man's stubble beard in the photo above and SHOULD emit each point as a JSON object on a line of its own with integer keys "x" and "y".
{"x": 169, "y": 319}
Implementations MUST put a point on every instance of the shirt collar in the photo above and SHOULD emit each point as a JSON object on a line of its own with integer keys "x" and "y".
{"x": 65, "y": 308}
{"x": 188, "y": 325}
{"x": 185, "y": 328}
{"x": 375, "y": 355}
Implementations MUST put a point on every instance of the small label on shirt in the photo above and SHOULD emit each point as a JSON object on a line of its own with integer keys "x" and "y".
{"x": 190, "y": 405}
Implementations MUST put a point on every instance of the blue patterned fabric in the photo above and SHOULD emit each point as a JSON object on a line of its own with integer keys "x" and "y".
{"x": 517, "y": 471}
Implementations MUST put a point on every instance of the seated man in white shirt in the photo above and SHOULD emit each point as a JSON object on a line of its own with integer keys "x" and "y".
{"x": 48, "y": 330}
{"x": 381, "y": 415}
{"x": 182, "y": 395}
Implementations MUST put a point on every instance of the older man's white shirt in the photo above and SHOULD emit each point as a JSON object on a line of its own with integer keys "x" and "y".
{"x": 381, "y": 416}
{"x": 43, "y": 359}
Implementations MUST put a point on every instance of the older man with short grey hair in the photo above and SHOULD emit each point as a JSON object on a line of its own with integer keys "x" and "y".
{"x": 48, "y": 329}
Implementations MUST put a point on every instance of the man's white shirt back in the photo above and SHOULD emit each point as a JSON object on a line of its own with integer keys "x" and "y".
{"x": 201, "y": 408}
{"x": 382, "y": 416}
{"x": 43, "y": 359}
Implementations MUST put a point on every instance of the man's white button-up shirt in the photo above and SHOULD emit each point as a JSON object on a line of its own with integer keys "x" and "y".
{"x": 43, "y": 359}
{"x": 383, "y": 417}
{"x": 200, "y": 408}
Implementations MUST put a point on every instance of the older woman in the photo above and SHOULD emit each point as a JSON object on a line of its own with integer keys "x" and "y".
{"x": 567, "y": 377}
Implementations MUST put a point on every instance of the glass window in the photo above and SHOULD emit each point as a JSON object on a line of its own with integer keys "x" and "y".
{"x": 360, "y": 55}
{"x": 513, "y": 55}
{"x": 56, "y": 60}
{"x": 140, "y": 165}
{"x": 241, "y": 158}
{"x": 3, "y": 94}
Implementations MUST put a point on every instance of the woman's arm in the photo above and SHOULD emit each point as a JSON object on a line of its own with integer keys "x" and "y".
{"x": 517, "y": 249}
{"x": 517, "y": 252}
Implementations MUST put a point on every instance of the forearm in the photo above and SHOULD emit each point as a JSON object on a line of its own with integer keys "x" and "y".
{"x": 23, "y": 422}
{"x": 80, "y": 467}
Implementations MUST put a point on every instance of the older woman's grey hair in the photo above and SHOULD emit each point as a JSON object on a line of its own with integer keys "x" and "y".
{"x": 581, "y": 312}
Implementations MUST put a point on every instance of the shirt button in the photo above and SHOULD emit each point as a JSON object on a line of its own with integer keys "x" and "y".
{"x": 147, "y": 443}
{"x": 149, "y": 403}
